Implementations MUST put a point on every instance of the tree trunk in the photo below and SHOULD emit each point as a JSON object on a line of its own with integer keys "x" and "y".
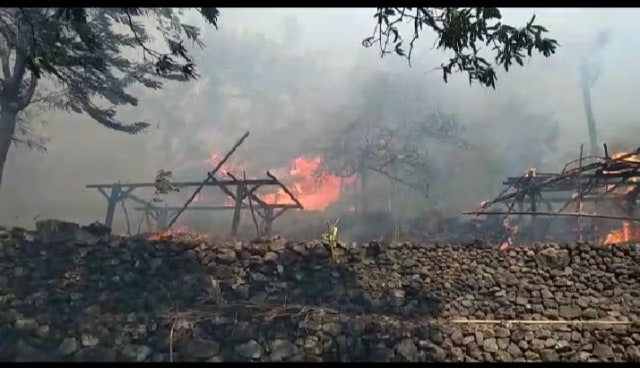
{"x": 591, "y": 121}
{"x": 587, "y": 80}
{"x": 7, "y": 129}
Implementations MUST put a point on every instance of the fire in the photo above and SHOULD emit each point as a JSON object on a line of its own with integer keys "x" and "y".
{"x": 628, "y": 234}
{"x": 215, "y": 158}
{"x": 632, "y": 158}
{"x": 315, "y": 192}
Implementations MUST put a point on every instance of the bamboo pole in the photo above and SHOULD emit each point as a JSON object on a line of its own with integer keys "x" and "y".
{"x": 534, "y": 322}
{"x": 568, "y": 214}
{"x": 579, "y": 198}
{"x": 210, "y": 177}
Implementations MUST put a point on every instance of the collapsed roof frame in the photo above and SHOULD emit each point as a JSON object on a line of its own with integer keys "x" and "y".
{"x": 591, "y": 182}
{"x": 166, "y": 216}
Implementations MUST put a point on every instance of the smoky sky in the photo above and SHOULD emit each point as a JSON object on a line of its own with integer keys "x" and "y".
{"x": 547, "y": 91}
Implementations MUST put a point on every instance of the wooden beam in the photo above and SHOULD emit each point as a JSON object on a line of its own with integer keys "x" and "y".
{"x": 218, "y": 208}
{"x": 210, "y": 178}
{"x": 235, "y": 221}
{"x": 566, "y": 214}
{"x": 186, "y": 184}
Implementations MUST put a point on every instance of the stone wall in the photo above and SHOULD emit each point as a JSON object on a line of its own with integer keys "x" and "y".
{"x": 68, "y": 293}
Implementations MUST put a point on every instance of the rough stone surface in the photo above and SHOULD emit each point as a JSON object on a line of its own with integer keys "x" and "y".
{"x": 72, "y": 293}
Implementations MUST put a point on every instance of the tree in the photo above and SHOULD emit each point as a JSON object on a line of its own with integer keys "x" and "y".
{"x": 389, "y": 134}
{"x": 464, "y": 32}
{"x": 82, "y": 59}
{"x": 251, "y": 81}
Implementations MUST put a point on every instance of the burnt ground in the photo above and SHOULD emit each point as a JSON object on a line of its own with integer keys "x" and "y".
{"x": 78, "y": 294}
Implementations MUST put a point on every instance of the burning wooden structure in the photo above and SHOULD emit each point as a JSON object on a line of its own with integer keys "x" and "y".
{"x": 243, "y": 193}
{"x": 591, "y": 180}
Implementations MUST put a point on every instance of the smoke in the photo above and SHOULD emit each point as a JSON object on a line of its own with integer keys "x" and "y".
{"x": 292, "y": 76}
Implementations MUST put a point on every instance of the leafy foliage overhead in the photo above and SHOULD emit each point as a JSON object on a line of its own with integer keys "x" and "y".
{"x": 465, "y": 32}
{"x": 93, "y": 55}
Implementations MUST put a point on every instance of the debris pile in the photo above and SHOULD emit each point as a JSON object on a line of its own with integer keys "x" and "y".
{"x": 71, "y": 293}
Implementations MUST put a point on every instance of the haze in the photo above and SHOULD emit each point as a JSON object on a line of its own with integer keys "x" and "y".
{"x": 509, "y": 129}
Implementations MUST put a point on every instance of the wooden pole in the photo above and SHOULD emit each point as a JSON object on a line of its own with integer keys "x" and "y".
{"x": 210, "y": 177}
{"x": 534, "y": 322}
{"x": 559, "y": 178}
{"x": 569, "y": 214}
{"x": 236, "y": 210}
{"x": 579, "y": 199}
{"x": 253, "y": 214}
{"x": 114, "y": 198}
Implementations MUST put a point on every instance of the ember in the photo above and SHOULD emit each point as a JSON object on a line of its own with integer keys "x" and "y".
{"x": 177, "y": 232}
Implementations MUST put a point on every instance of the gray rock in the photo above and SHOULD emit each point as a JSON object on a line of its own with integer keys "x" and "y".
{"x": 457, "y": 338}
{"x": 95, "y": 354}
{"x": 502, "y": 332}
{"x": 503, "y": 343}
{"x": 282, "y": 350}
{"x": 250, "y": 350}
{"x": 590, "y": 313}
{"x": 89, "y": 340}
{"x": 569, "y": 312}
{"x": 503, "y": 356}
{"x": 603, "y": 351}
{"x": 68, "y": 346}
{"x": 468, "y": 339}
{"x": 332, "y": 328}
{"x": 27, "y": 353}
{"x": 536, "y": 345}
{"x": 456, "y": 354}
{"x": 514, "y": 351}
{"x": 490, "y": 345}
{"x": 632, "y": 354}
{"x": 201, "y": 349}
{"x": 436, "y": 353}
{"x": 25, "y": 324}
{"x": 549, "y": 355}
{"x": 408, "y": 350}
{"x": 42, "y": 331}
{"x": 136, "y": 353}
{"x": 531, "y": 356}
{"x": 563, "y": 346}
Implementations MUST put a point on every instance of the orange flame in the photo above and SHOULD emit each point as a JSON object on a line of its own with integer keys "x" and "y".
{"x": 315, "y": 192}
{"x": 215, "y": 158}
{"x": 628, "y": 234}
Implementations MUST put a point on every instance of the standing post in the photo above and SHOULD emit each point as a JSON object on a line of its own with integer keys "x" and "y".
{"x": 268, "y": 220}
{"x": 114, "y": 198}
{"x": 579, "y": 199}
{"x": 162, "y": 218}
{"x": 235, "y": 223}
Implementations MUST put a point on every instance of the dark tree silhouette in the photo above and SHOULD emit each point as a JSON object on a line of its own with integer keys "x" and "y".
{"x": 83, "y": 60}
{"x": 389, "y": 135}
{"x": 465, "y": 32}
